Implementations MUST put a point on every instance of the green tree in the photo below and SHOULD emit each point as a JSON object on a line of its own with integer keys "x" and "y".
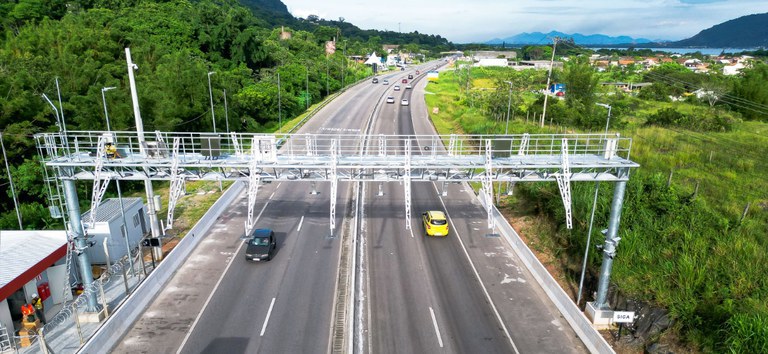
{"x": 581, "y": 83}
{"x": 753, "y": 90}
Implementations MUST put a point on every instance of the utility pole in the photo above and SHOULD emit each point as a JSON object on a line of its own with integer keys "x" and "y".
{"x": 549, "y": 76}
{"x": 509, "y": 106}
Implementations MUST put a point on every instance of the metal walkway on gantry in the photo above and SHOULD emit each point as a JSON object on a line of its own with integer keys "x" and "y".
{"x": 179, "y": 157}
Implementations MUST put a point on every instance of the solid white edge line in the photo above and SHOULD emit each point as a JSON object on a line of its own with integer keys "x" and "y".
{"x": 437, "y": 329}
{"x": 266, "y": 320}
{"x": 210, "y": 296}
{"x": 300, "y": 222}
{"x": 477, "y": 274}
{"x": 215, "y": 287}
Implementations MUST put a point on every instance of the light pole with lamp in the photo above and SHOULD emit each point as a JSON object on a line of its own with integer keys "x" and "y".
{"x": 343, "y": 66}
{"x": 226, "y": 111}
{"x": 104, "y": 101}
{"x": 306, "y": 98}
{"x": 509, "y": 105}
{"x": 607, "y": 121}
{"x": 279, "y": 106}
{"x": 210, "y": 94}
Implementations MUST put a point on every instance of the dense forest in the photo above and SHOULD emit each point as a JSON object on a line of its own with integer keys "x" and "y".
{"x": 176, "y": 44}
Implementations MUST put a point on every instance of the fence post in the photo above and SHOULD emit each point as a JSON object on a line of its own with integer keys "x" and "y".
{"x": 744, "y": 214}
{"x": 77, "y": 322}
{"x": 125, "y": 278}
{"x": 41, "y": 341}
{"x": 669, "y": 180}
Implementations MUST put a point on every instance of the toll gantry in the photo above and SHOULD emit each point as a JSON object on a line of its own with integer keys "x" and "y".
{"x": 257, "y": 158}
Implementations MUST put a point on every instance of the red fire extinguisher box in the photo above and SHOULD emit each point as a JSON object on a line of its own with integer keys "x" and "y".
{"x": 43, "y": 290}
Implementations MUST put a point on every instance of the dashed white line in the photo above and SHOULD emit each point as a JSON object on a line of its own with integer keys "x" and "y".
{"x": 477, "y": 274}
{"x": 210, "y": 296}
{"x": 300, "y": 222}
{"x": 437, "y": 329}
{"x": 266, "y": 320}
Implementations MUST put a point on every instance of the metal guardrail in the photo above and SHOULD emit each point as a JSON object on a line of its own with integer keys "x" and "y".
{"x": 82, "y": 146}
{"x": 121, "y": 320}
{"x": 578, "y": 321}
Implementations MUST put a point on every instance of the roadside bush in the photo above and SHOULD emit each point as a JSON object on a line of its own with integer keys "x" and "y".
{"x": 699, "y": 120}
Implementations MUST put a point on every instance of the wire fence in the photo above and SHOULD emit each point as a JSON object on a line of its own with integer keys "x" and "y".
{"x": 74, "y": 324}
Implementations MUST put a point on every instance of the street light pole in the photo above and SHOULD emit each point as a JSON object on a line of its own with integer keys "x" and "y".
{"x": 607, "y": 121}
{"x": 210, "y": 94}
{"x": 104, "y": 100}
{"x": 509, "y": 106}
{"x": 226, "y": 111}
{"x": 279, "y": 105}
{"x": 307, "y": 95}
{"x": 343, "y": 66}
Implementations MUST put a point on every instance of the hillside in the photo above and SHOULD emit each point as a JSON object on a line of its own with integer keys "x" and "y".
{"x": 275, "y": 13}
{"x": 744, "y": 32}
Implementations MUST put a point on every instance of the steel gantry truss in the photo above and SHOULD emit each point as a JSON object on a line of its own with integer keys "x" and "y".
{"x": 563, "y": 158}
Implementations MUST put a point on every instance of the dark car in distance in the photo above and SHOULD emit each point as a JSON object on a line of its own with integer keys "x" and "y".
{"x": 261, "y": 245}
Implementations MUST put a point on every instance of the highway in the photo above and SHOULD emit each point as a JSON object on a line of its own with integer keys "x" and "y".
{"x": 459, "y": 294}
{"x": 465, "y": 293}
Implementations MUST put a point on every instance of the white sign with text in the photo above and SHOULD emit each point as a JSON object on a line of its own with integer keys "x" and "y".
{"x": 623, "y": 316}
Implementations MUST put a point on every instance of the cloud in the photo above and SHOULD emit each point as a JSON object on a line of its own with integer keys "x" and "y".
{"x": 694, "y": 2}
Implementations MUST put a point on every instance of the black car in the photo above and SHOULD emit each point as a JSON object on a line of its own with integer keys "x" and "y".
{"x": 410, "y": 76}
{"x": 375, "y": 80}
{"x": 261, "y": 245}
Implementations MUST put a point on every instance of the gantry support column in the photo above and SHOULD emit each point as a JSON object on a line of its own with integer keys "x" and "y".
{"x": 76, "y": 227}
{"x": 611, "y": 243}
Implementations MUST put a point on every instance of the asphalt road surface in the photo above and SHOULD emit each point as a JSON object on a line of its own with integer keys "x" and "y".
{"x": 465, "y": 293}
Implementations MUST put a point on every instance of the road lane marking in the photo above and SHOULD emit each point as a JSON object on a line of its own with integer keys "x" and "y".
{"x": 300, "y": 222}
{"x": 273, "y": 194}
{"x": 215, "y": 287}
{"x": 437, "y": 329}
{"x": 266, "y": 320}
{"x": 208, "y": 300}
{"x": 477, "y": 274}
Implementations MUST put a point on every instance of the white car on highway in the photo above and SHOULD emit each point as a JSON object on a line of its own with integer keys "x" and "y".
{"x": 404, "y": 102}
{"x": 390, "y": 99}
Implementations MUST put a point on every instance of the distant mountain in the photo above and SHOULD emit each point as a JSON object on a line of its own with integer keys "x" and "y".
{"x": 744, "y": 32}
{"x": 543, "y": 38}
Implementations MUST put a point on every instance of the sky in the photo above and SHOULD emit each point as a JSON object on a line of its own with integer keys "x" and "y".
{"x": 463, "y": 21}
